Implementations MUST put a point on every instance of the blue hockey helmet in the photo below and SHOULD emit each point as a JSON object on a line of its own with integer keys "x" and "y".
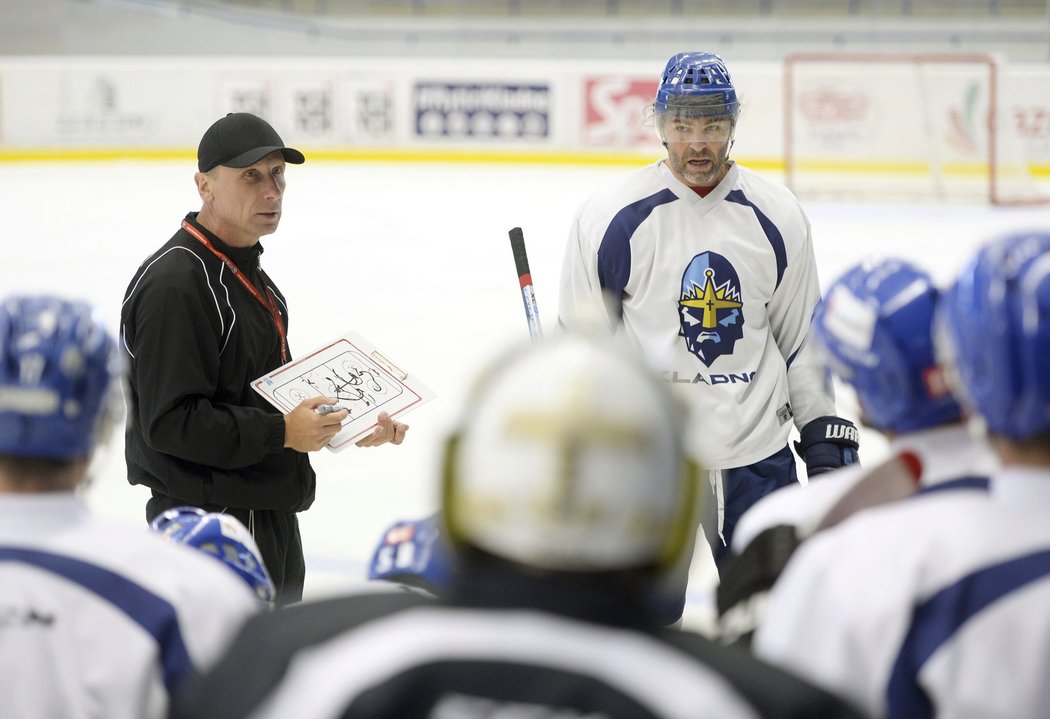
{"x": 996, "y": 324}
{"x": 414, "y": 554}
{"x": 221, "y": 536}
{"x": 876, "y": 325}
{"x": 696, "y": 84}
{"x": 58, "y": 364}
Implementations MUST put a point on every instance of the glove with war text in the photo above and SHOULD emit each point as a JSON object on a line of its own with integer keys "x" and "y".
{"x": 828, "y": 443}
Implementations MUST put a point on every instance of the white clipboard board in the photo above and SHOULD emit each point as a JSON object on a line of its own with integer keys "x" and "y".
{"x": 353, "y": 371}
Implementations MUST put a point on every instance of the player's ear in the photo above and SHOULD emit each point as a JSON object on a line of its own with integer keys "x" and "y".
{"x": 203, "y": 181}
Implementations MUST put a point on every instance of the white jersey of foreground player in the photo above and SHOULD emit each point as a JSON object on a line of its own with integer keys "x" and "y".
{"x": 101, "y": 621}
{"x": 645, "y": 231}
{"x": 944, "y": 454}
{"x": 934, "y": 606}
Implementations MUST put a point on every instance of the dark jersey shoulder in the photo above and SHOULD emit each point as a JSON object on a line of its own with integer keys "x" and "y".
{"x": 263, "y": 648}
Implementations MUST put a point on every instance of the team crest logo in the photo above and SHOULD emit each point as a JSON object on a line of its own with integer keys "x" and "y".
{"x": 710, "y": 309}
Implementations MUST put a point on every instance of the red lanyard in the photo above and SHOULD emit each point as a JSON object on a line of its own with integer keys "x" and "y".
{"x": 269, "y": 304}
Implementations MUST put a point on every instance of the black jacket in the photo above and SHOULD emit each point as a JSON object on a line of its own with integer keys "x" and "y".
{"x": 195, "y": 339}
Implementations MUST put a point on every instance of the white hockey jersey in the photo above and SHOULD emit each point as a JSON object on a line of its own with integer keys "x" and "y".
{"x": 103, "y": 621}
{"x": 943, "y": 454}
{"x": 718, "y": 293}
{"x": 934, "y": 606}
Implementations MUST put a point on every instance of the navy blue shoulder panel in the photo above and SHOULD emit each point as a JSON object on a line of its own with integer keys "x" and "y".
{"x": 776, "y": 240}
{"x": 614, "y": 252}
{"x": 979, "y": 483}
{"x": 937, "y": 619}
{"x": 151, "y": 612}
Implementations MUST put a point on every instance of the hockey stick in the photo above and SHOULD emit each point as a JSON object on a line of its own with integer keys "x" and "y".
{"x": 528, "y": 293}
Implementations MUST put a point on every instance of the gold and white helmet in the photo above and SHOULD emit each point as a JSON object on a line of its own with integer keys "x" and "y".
{"x": 571, "y": 458}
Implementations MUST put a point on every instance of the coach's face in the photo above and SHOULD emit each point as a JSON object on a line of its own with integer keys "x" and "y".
{"x": 241, "y": 204}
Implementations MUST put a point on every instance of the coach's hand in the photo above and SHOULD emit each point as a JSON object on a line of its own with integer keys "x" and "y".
{"x": 828, "y": 443}
{"x": 307, "y": 430}
{"x": 386, "y": 431}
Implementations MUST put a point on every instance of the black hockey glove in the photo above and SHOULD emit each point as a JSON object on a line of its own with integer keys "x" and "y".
{"x": 828, "y": 443}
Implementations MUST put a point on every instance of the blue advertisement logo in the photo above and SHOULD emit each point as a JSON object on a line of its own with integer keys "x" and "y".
{"x": 482, "y": 111}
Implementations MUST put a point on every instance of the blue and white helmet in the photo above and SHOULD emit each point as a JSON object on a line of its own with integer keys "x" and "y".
{"x": 876, "y": 325}
{"x": 996, "y": 327}
{"x": 413, "y": 553}
{"x": 221, "y": 536}
{"x": 696, "y": 84}
{"x": 58, "y": 364}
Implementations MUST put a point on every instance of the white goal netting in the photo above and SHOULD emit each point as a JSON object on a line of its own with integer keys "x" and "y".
{"x": 914, "y": 127}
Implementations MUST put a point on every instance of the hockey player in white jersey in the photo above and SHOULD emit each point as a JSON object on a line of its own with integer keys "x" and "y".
{"x": 566, "y": 492}
{"x": 875, "y": 329}
{"x": 95, "y": 620}
{"x": 709, "y": 269}
{"x": 937, "y": 605}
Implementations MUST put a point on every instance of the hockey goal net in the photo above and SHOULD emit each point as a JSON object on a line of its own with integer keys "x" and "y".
{"x": 916, "y": 127}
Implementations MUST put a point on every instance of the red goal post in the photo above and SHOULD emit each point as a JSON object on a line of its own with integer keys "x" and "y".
{"x": 902, "y": 126}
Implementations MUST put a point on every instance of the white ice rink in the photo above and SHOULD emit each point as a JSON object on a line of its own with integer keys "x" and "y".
{"x": 416, "y": 258}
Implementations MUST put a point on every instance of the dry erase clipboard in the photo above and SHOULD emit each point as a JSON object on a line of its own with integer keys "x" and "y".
{"x": 361, "y": 378}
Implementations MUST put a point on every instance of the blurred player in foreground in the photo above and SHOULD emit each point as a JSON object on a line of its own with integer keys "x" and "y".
{"x": 566, "y": 493}
{"x": 711, "y": 274}
{"x": 95, "y": 620}
{"x": 937, "y": 605}
{"x": 876, "y": 330}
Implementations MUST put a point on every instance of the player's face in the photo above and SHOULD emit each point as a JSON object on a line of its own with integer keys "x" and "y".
{"x": 241, "y": 204}
{"x": 697, "y": 148}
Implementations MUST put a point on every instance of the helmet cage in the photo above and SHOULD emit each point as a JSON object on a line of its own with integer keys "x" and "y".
{"x": 696, "y": 84}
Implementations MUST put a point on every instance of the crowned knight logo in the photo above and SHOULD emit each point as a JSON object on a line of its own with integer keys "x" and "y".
{"x": 710, "y": 309}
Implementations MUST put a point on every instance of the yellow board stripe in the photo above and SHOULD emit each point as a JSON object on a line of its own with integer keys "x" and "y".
{"x": 502, "y": 156}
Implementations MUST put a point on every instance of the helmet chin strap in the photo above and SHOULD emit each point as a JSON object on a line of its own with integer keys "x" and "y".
{"x": 729, "y": 147}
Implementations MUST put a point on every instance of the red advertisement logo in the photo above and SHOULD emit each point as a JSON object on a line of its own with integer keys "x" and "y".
{"x": 1032, "y": 122}
{"x": 615, "y": 111}
{"x": 833, "y": 106}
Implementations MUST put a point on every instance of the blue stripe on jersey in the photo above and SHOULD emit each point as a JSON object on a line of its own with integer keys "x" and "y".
{"x": 152, "y": 613}
{"x": 978, "y": 483}
{"x": 614, "y": 252}
{"x": 936, "y": 620}
{"x": 776, "y": 240}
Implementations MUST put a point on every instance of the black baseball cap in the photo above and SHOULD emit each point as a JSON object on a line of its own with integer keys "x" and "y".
{"x": 240, "y": 140}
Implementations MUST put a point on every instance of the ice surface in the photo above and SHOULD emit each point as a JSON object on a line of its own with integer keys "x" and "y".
{"x": 415, "y": 257}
